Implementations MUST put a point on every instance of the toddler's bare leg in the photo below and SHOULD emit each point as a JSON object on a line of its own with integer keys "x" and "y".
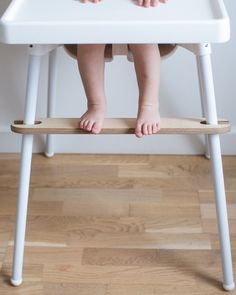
{"x": 147, "y": 67}
{"x": 91, "y": 66}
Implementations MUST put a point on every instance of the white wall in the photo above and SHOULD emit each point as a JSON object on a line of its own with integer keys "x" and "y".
{"x": 179, "y": 97}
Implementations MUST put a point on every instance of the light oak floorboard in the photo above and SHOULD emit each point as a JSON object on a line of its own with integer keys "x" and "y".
{"x": 116, "y": 225}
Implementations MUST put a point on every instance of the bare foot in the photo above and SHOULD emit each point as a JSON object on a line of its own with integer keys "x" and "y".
{"x": 94, "y": 1}
{"x": 93, "y": 119}
{"x": 148, "y": 120}
{"x": 149, "y": 3}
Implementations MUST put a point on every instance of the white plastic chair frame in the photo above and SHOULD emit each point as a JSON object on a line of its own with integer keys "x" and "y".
{"x": 202, "y": 53}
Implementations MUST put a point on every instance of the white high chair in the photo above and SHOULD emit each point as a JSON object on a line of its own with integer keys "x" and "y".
{"x": 47, "y": 24}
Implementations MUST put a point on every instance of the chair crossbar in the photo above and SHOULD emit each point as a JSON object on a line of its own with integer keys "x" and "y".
{"x": 121, "y": 126}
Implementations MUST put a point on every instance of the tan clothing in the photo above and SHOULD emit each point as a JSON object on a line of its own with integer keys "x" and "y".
{"x": 121, "y": 49}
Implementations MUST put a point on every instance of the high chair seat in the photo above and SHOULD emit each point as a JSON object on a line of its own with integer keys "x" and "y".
{"x": 122, "y": 49}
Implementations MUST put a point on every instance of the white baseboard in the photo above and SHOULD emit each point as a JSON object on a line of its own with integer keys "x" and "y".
{"x": 5, "y": 129}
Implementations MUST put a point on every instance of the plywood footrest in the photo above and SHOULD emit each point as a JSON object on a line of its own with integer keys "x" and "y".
{"x": 121, "y": 126}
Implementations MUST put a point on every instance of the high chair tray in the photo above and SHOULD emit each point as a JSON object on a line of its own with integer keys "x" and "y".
{"x": 114, "y": 21}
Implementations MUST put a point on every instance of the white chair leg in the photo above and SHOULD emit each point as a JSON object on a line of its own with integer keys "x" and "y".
{"x": 205, "y": 72}
{"x": 52, "y": 78}
{"x": 207, "y": 154}
{"x": 25, "y": 169}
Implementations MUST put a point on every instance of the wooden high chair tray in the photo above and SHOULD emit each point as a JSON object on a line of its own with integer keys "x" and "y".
{"x": 114, "y": 21}
{"x": 121, "y": 126}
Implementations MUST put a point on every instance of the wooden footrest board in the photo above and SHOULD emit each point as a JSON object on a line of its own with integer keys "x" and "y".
{"x": 121, "y": 126}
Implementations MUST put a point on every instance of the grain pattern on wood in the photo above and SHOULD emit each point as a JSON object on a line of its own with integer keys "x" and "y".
{"x": 120, "y": 126}
{"x": 144, "y": 226}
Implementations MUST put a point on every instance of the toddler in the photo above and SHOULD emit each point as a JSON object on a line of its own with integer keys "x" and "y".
{"x": 147, "y": 66}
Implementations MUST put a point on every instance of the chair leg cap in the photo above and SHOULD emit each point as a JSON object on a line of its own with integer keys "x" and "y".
{"x": 49, "y": 155}
{"x": 16, "y": 283}
{"x": 229, "y": 287}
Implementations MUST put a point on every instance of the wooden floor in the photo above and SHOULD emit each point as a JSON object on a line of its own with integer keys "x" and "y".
{"x": 116, "y": 225}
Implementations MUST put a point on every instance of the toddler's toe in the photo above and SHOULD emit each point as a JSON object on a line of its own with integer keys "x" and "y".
{"x": 155, "y": 128}
{"x": 89, "y": 126}
{"x": 86, "y": 123}
{"x": 81, "y": 123}
{"x": 145, "y": 129}
{"x": 96, "y": 128}
{"x": 138, "y": 131}
{"x": 149, "y": 128}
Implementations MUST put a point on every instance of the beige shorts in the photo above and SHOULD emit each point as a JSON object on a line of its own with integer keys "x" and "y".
{"x": 122, "y": 49}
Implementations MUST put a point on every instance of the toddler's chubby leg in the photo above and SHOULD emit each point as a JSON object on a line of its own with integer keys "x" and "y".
{"x": 91, "y": 64}
{"x": 147, "y": 66}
